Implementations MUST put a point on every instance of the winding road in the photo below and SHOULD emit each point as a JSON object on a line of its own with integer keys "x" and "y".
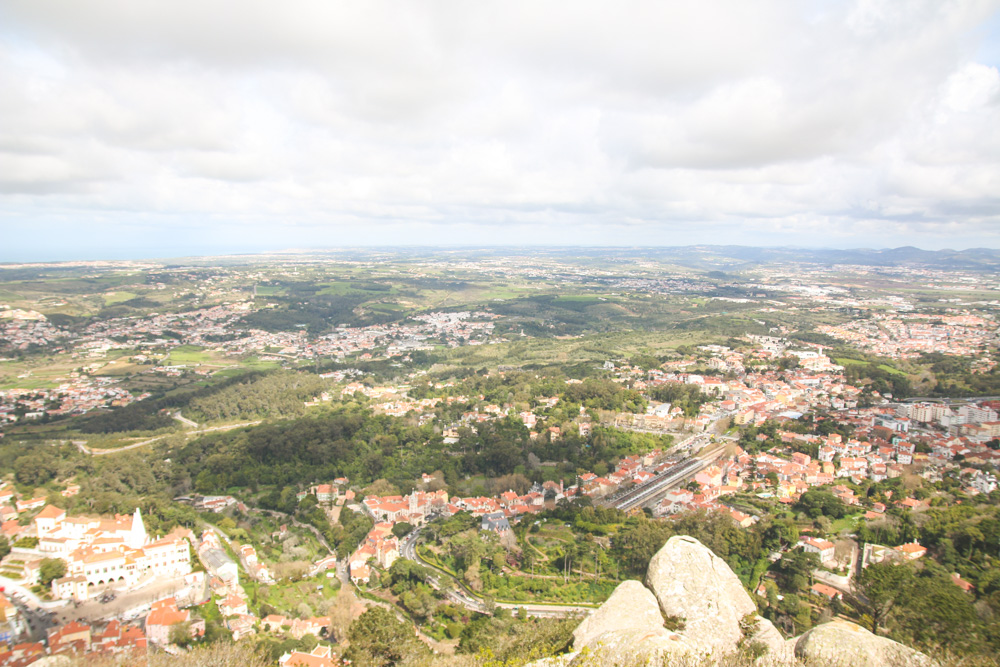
{"x": 82, "y": 444}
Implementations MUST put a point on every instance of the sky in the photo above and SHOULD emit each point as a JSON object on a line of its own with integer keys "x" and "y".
{"x": 143, "y": 128}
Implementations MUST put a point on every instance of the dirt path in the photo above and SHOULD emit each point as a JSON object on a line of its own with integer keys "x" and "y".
{"x": 545, "y": 557}
{"x": 82, "y": 444}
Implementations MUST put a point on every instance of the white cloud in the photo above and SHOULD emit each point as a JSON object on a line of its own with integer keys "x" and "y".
{"x": 641, "y": 121}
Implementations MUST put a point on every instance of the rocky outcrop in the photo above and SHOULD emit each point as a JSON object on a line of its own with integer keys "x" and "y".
{"x": 54, "y": 661}
{"x": 780, "y": 651}
{"x": 692, "y": 583}
{"x": 688, "y": 582}
{"x": 842, "y": 643}
{"x": 637, "y": 647}
{"x": 630, "y": 607}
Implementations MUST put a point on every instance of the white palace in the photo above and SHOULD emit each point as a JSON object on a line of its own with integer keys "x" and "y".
{"x": 101, "y": 551}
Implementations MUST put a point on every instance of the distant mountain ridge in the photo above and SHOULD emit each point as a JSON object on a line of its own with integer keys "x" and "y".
{"x": 728, "y": 257}
{"x": 734, "y": 257}
{"x": 705, "y": 257}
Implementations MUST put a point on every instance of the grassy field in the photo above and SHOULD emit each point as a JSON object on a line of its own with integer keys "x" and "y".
{"x": 27, "y": 383}
{"x": 851, "y": 362}
{"x": 846, "y": 523}
{"x": 189, "y": 354}
{"x": 391, "y": 308}
{"x": 41, "y": 372}
{"x": 859, "y": 362}
{"x": 245, "y": 365}
{"x": 317, "y": 593}
{"x": 120, "y": 367}
{"x": 337, "y": 288}
{"x": 112, "y": 298}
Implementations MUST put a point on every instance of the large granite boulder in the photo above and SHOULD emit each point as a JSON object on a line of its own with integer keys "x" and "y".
{"x": 630, "y": 607}
{"x": 691, "y": 582}
{"x": 628, "y": 648}
{"x": 686, "y": 580}
{"x": 780, "y": 651}
{"x": 842, "y": 643}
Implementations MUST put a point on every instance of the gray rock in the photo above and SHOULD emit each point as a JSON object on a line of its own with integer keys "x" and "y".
{"x": 691, "y": 582}
{"x": 563, "y": 660}
{"x": 54, "y": 661}
{"x": 842, "y": 643}
{"x": 780, "y": 651}
{"x": 630, "y": 607}
{"x": 627, "y": 648}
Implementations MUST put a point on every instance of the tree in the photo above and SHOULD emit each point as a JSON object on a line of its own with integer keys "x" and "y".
{"x": 401, "y": 529}
{"x": 379, "y": 639}
{"x": 795, "y": 569}
{"x": 341, "y": 613}
{"x": 51, "y": 568}
{"x": 180, "y": 634}
{"x": 882, "y": 585}
{"x": 816, "y": 503}
{"x": 935, "y": 608}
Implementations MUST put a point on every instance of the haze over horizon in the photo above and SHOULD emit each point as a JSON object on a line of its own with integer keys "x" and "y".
{"x": 141, "y": 129}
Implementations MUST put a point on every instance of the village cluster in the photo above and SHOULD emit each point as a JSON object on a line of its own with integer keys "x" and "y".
{"x": 907, "y": 335}
{"x": 215, "y": 328}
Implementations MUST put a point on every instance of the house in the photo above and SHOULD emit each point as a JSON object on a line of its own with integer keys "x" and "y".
{"x": 823, "y": 548}
{"x": 233, "y": 606}
{"x": 962, "y": 583}
{"x": 118, "y": 638}
{"x": 309, "y": 626}
{"x": 495, "y": 522}
{"x": 219, "y": 564}
{"x": 360, "y": 573}
{"x": 911, "y": 551}
{"x": 71, "y": 587}
{"x": 744, "y": 520}
{"x": 22, "y": 654}
{"x": 11, "y": 624}
{"x": 48, "y": 519}
{"x": 910, "y": 503}
{"x": 241, "y": 625}
{"x": 274, "y": 622}
{"x": 321, "y": 656}
{"x": 163, "y": 615}
{"x": 73, "y": 637}
{"x": 828, "y": 592}
{"x": 30, "y": 504}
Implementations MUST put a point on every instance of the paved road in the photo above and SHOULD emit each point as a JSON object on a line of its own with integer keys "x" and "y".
{"x": 38, "y": 614}
{"x": 184, "y": 420}
{"x": 82, "y": 444}
{"x": 128, "y": 603}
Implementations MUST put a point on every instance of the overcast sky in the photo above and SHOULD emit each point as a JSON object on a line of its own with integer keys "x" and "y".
{"x": 150, "y": 128}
